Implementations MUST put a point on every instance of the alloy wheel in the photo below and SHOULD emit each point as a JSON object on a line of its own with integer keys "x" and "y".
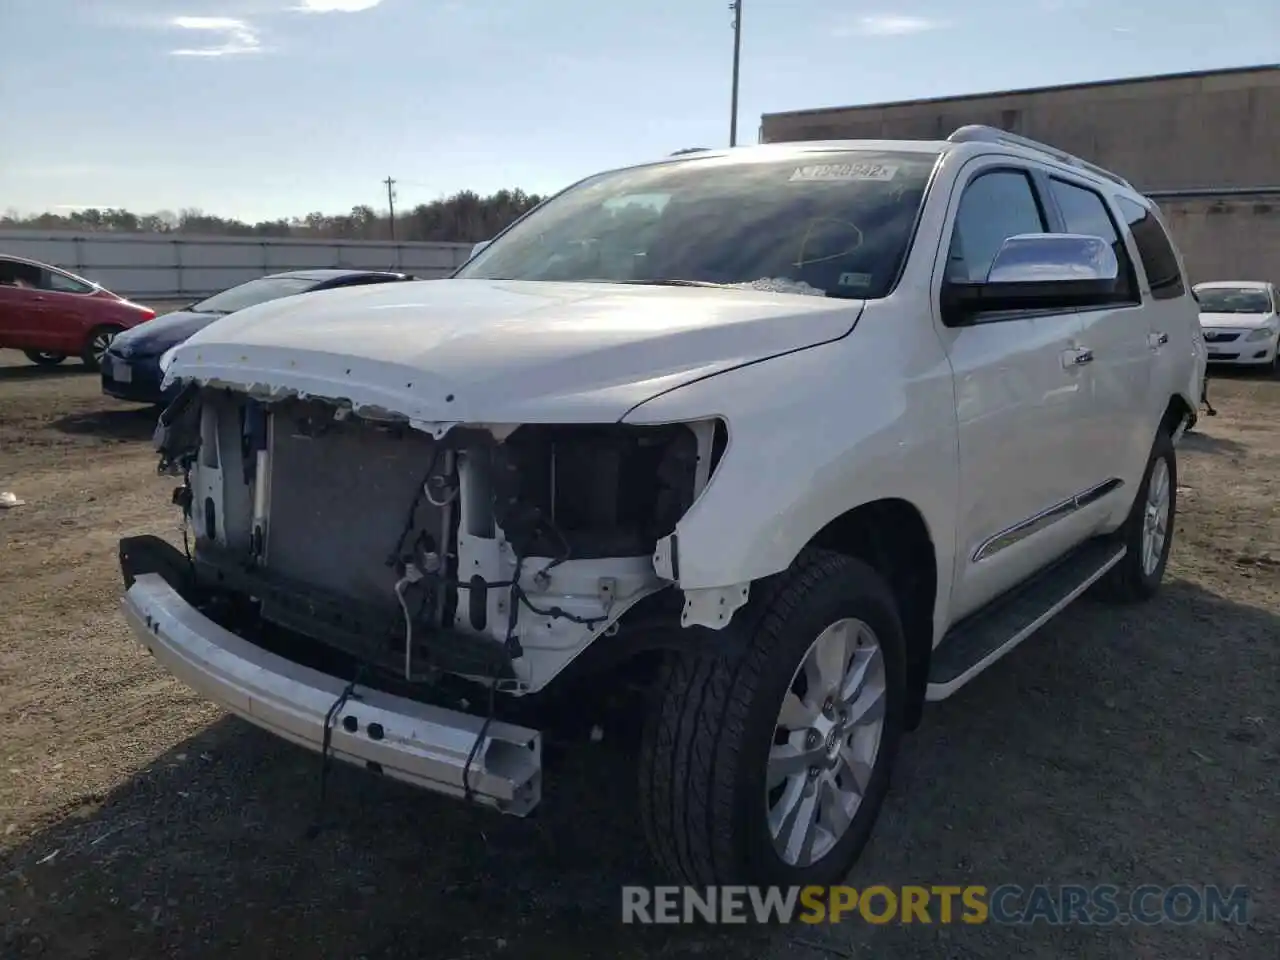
{"x": 100, "y": 343}
{"x": 826, "y": 740}
{"x": 1155, "y": 519}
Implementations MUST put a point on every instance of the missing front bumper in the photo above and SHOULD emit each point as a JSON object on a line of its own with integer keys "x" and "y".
{"x": 424, "y": 745}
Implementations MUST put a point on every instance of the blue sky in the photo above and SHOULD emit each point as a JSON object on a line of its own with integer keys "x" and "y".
{"x": 264, "y": 108}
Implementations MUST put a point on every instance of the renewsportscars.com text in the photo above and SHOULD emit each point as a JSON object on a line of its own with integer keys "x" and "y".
{"x": 1007, "y": 904}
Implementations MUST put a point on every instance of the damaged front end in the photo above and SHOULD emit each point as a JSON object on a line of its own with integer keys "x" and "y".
{"x": 489, "y": 555}
{"x": 488, "y": 552}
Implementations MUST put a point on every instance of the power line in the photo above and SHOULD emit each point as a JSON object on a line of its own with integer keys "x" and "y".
{"x": 391, "y": 204}
{"x": 736, "y": 7}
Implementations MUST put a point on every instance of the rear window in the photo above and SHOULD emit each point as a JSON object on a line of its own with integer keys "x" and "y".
{"x": 253, "y": 292}
{"x": 1156, "y": 250}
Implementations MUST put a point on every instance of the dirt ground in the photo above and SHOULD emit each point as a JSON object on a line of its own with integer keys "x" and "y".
{"x": 136, "y": 820}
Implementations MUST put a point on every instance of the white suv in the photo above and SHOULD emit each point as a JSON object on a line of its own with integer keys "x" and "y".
{"x": 814, "y": 432}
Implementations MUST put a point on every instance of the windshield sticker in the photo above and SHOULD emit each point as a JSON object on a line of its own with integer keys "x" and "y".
{"x": 854, "y": 280}
{"x": 845, "y": 171}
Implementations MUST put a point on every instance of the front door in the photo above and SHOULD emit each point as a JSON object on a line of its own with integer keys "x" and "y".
{"x": 1020, "y": 399}
{"x": 21, "y": 305}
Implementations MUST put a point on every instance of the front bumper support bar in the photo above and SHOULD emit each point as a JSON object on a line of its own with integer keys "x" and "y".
{"x": 418, "y": 743}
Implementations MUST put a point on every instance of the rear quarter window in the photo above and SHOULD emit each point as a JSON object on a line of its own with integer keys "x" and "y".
{"x": 1159, "y": 260}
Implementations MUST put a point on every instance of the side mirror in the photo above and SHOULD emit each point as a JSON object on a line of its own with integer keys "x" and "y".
{"x": 478, "y": 247}
{"x": 1037, "y": 271}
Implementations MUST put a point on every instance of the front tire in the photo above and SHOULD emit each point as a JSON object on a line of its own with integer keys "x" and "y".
{"x": 1148, "y": 532}
{"x": 95, "y": 347}
{"x": 770, "y": 765}
{"x": 43, "y": 358}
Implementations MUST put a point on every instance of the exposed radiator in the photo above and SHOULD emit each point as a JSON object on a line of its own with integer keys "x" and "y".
{"x": 339, "y": 502}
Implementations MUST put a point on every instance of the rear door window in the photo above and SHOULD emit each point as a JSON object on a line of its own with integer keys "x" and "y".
{"x": 60, "y": 282}
{"x": 1085, "y": 212}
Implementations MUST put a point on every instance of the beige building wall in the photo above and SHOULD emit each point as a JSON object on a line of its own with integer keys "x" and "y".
{"x": 1227, "y": 239}
{"x": 1201, "y": 132}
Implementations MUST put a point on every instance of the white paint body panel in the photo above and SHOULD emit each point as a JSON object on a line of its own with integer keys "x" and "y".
{"x": 479, "y": 351}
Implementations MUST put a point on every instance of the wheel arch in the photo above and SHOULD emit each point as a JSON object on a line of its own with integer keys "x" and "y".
{"x": 1177, "y": 411}
{"x": 892, "y": 536}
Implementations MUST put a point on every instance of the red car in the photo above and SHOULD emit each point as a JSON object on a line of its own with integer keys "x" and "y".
{"x": 50, "y": 314}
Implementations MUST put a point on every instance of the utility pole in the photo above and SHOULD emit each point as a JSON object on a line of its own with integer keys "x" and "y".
{"x": 391, "y": 204}
{"x": 736, "y": 7}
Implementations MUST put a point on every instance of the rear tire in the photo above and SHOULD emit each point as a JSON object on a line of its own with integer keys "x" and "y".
{"x": 738, "y": 749}
{"x": 1148, "y": 531}
{"x": 96, "y": 346}
{"x": 43, "y": 358}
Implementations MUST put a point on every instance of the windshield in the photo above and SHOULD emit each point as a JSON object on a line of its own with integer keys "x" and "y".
{"x": 833, "y": 223}
{"x": 255, "y": 291}
{"x": 1233, "y": 300}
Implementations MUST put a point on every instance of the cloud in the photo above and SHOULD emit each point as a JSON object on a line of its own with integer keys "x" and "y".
{"x": 891, "y": 25}
{"x": 238, "y": 36}
{"x": 336, "y": 6}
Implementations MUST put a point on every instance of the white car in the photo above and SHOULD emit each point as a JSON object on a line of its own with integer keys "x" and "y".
{"x": 1240, "y": 320}
{"x": 805, "y": 435}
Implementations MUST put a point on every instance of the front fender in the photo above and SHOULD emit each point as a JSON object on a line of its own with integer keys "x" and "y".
{"x": 812, "y": 435}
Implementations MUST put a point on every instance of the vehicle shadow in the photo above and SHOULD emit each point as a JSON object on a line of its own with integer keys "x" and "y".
{"x": 1229, "y": 372}
{"x": 204, "y": 853}
{"x": 137, "y": 423}
{"x": 20, "y": 372}
{"x": 1203, "y": 443}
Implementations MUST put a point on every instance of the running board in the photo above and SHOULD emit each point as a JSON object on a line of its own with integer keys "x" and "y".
{"x": 981, "y": 639}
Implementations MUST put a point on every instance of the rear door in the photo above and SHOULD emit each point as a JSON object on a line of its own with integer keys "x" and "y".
{"x": 68, "y": 310}
{"x": 1172, "y": 315}
{"x": 1122, "y": 414}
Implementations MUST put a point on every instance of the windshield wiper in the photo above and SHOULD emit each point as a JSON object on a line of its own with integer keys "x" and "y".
{"x": 661, "y": 282}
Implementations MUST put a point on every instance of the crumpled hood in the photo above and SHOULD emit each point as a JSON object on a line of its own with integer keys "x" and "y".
{"x": 156, "y": 336}
{"x": 1237, "y": 321}
{"x": 497, "y": 351}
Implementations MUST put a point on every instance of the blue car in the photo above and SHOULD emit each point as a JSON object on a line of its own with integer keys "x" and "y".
{"x": 131, "y": 366}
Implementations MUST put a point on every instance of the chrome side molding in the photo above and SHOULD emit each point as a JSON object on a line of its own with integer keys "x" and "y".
{"x": 1045, "y": 518}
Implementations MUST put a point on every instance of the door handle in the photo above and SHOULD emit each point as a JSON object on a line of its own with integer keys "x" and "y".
{"x": 1157, "y": 339}
{"x": 1076, "y": 357}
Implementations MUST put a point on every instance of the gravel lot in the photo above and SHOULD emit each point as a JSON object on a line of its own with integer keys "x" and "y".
{"x": 1126, "y": 747}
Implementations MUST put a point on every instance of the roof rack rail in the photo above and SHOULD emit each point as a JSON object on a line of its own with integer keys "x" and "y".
{"x": 980, "y": 133}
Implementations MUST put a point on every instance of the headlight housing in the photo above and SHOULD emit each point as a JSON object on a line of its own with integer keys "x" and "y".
{"x": 1262, "y": 333}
